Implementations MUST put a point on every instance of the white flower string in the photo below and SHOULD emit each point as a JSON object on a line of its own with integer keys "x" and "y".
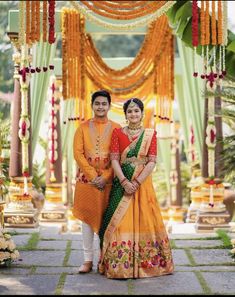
{"x": 143, "y": 22}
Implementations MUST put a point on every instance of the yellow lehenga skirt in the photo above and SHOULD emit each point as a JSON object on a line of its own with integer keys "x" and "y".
{"x": 139, "y": 246}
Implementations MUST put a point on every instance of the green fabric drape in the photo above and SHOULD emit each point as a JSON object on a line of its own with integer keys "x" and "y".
{"x": 43, "y": 53}
{"x": 164, "y": 149}
{"x": 191, "y": 101}
{"x": 67, "y": 135}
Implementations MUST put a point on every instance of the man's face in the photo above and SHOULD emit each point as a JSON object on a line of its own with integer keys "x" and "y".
{"x": 100, "y": 107}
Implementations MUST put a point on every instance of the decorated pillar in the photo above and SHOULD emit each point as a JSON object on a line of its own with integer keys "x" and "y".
{"x": 195, "y": 182}
{"x": 2, "y": 187}
{"x": 212, "y": 212}
{"x": 20, "y": 211}
{"x": 176, "y": 211}
{"x": 54, "y": 208}
{"x": 211, "y": 22}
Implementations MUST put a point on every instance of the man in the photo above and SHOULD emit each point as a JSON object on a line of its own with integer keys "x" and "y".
{"x": 91, "y": 152}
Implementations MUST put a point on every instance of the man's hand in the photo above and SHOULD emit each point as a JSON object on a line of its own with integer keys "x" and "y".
{"x": 99, "y": 182}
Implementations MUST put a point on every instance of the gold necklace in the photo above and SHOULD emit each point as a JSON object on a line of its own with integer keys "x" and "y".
{"x": 134, "y": 126}
{"x": 133, "y": 132}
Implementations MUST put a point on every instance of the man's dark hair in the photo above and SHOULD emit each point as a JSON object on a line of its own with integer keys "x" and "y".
{"x": 102, "y": 93}
{"x": 136, "y": 100}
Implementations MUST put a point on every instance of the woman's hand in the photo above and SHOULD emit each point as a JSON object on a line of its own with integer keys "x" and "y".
{"x": 129, "y": 188}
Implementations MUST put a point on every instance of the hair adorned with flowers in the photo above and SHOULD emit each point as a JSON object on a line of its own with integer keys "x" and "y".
{"x": 133, "y": 102}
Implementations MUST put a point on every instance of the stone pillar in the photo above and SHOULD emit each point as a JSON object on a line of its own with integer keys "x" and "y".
{"x": 20, "y": 211}
{"x": 54, "y": 209}
{"x": 176, "y": 211}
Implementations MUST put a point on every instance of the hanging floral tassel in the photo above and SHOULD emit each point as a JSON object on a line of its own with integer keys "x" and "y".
{"x": 195, "y": 35}
{"x": 53, "y": 155}
{"x": 51, "y": 19}
{"x": 225, "y": 34}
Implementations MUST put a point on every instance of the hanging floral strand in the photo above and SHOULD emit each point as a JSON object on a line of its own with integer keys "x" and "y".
{"x": 51, "y": 19}
{"x": 52, "y": 135}
{"x": 44, "y": 21}
{"x": 225, "y": 34}
{"x": 195, "y": 34}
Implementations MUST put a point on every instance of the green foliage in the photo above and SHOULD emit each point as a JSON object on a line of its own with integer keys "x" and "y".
{"x": 111, "y": 46}
{"x": 160, "y": 184}
{"x": 39, "y": 170}
{"x": 223, "y": 235}
{"x": 228, "y": 115}
{"x": 5, "y": 145}
{"x": 6, "y": 51}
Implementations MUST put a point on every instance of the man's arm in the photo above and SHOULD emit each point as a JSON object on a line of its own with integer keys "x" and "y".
{"x": 79, "y": 155}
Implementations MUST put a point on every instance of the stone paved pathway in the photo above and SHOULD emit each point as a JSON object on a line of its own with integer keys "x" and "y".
{"x": 49, "y": 262}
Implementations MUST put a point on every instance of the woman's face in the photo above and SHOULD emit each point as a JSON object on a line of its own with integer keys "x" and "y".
{"x": 134, "y": 114}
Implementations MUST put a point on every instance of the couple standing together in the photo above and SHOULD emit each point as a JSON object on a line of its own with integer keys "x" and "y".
{"x": 114, "y": 194}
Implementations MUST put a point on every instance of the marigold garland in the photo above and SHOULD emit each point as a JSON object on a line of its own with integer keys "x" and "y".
{"x": 81, "y": 70}
{"x": 213, "y": 25}
{"x": 212, "y": 35}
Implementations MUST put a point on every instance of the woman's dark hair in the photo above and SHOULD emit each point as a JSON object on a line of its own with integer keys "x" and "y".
{"x": 135, "y": 100}
{"x": 102, "y": 93}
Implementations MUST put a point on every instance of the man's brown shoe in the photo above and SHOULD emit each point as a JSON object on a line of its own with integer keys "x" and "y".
{"x": 86, "y": 267}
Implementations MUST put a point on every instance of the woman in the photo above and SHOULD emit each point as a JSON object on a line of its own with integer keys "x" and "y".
{"x": 133, "y": 239}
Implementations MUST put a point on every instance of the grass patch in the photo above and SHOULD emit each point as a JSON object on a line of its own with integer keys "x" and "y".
{"x": 172, "y": 244}
{"x": 203, "y": 283}
{"x": 60, "y": 285}
{"x": 223, "y": 235}
{"x": 190, "y": 256}
{"x": 15, "y": 233}
{"x": 32, "y": 242}
{"x": 130, "y": 287}
{"x": 67, "y": 253}
{"x": 33, "y": 269}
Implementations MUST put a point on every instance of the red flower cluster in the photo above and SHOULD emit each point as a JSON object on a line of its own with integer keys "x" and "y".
{"x": 195, "y": 23}
{"x": 51, "y": 19}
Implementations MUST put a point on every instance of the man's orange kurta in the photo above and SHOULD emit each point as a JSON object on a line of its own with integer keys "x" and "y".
{"x": 91, "y": 151}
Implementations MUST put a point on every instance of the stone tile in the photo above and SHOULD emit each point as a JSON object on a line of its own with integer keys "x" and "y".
{"x": 205, "y": 268}
{"x": 197, "y": 243}
{"x": 211, "y": 256}
{"x": 180, "y": 257}
{"x": 28, "y": 285}
{"x": 78, "y": 244}
{"x": 22, "y": 230}
{"x": 56, "y": 270}
{"x": 21, "y": 240}
{"x": 193, "y": 236}
{"x": 52, "y": 244}
{"x": 15, "y": 270}
{"x": 41, "y": 258}
{"x": 76, "y": 258}
{"x": 175, "y": 284}
{"x": 94, "y": 284}
{"x": 60, "y": 236}
{"x": 220, "y": 282}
